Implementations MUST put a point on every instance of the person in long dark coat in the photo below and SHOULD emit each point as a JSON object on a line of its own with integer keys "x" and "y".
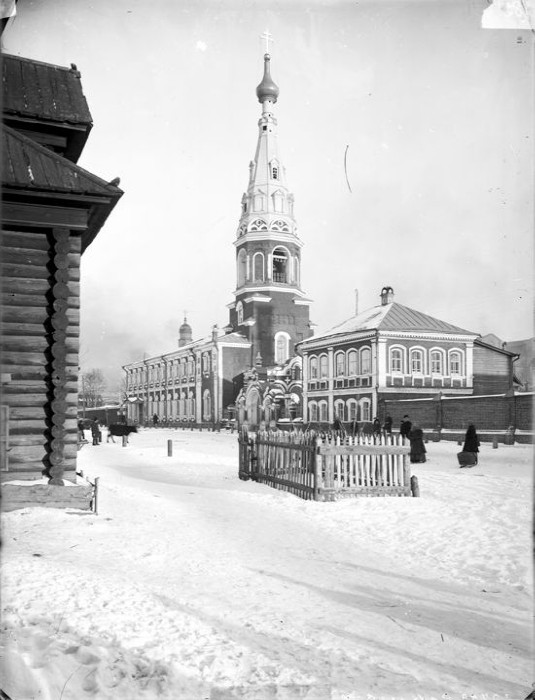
{"x": 471, "y": 440}
{"x": 405, "y": 427}
{"x": 388, "y": 425}
{"x": 416, "y": 438}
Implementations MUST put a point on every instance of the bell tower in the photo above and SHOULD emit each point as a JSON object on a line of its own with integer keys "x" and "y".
{"x": 270, "y": 307}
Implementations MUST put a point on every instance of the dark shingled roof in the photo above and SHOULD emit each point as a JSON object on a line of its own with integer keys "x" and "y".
{"x": 43, "y": 91}
{"x": 29, "y": 165}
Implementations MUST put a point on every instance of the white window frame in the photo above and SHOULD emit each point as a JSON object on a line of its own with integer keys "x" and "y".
{"x": 337, "y": 372}
{"x": 323, "y": 364}
{"x": 367, "y": 349}
{"x": 459, "y": 353}
{"x": 413, "y": 353}
{"x": 352, "y": 354}
{"x": 440, "y": 353}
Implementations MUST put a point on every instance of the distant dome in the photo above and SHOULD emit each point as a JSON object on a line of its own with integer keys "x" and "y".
{"x": 267, "y": 90}
{"x": 184, "y": 333}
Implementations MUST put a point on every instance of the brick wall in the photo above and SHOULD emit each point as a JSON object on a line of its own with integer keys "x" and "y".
{"x": 491, "y": 415}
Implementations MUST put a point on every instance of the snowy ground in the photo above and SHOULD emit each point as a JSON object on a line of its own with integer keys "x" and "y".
{"x": 193, "y": 585}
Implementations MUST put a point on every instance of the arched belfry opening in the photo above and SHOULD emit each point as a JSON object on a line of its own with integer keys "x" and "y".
{"x": 280, "y": 265}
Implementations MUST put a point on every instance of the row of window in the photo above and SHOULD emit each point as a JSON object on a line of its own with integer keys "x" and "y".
{"x": 284, "y": 267}
{"x": 352, "y": 363}
{"x": 183, "y": 408}
{"x": 401, "y": 360}
{"x": 351, "y": 410}
{"x": 422, "y": 361}
{"x": 176, "y": 369}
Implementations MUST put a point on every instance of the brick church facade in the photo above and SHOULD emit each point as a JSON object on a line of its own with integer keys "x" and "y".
{"x": 203, "y": 380}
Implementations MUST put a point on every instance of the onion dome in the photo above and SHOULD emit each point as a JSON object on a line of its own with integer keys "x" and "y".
{"x": 184, "y": 333}
{"x": 267, "y": 90}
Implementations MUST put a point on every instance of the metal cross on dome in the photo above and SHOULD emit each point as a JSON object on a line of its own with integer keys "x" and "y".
{"x": 267, "y": 37}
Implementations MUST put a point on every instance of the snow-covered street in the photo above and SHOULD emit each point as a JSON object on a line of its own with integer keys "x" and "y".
{"x": 192, "y": 585}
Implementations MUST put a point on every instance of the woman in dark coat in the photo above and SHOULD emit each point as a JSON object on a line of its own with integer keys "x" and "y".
{"x": 471, "y": 441}
{"x": 416, "y": 438}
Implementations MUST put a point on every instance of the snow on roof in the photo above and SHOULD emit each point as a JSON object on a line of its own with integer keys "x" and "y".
{"x": 392, "y": 317}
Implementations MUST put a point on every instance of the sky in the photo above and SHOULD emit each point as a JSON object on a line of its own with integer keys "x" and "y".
{"x": 435, "y": 113}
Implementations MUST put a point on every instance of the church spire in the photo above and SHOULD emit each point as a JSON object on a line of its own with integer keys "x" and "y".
{"x": 270, "y": 308}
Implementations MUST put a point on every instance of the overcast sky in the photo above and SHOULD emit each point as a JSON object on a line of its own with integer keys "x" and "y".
{"x": 436, "y": 112}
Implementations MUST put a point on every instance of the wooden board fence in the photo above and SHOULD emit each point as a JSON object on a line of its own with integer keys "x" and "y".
{"x": 363, "y": 466}
{"x": 326, "y": 466}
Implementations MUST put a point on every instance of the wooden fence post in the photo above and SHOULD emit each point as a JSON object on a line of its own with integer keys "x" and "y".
{"x": 95, "y": 501}
{"x": 406, "y": 472}
{"x": 169, "y": 448}
{"x": 316, "y": 465}
{"x": 125, "y": 440}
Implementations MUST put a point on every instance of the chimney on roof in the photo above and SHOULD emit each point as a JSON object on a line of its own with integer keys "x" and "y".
{"x": 387, "y": 295}
{"x": 356, "y": 302}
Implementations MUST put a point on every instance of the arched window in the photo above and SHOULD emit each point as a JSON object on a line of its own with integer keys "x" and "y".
{"x": 455, "y": 363}
{"x": 324, "y": 366}
{"x": 206, "y": 405}
{"x": 365, "y": 413}
{"x": 313, "y": 367}
{"x": 365, "y": 361}
{"x": 280, "y": 265}
{"x": 396, "y": 360}
{"x": 340, "y": 410}
{"x": 205, "y": 362}
{"x": 417, "y": 362}
{"x": 352, "y": 410}
{"x": 340, "y": 364}
{"x": 437, "y": 362}
{"x": 258, "y": 267}
{"x": 239, "y": 312}
{"x": 282, "y": 347}
{"x": 191, "y": 405}
{"x": 352, "y": 363}
{"x": 242, "y": 267}
{"x": 323, "y": 411}
{"x": 313, "y": 411}
{"x": 297, "y": 271}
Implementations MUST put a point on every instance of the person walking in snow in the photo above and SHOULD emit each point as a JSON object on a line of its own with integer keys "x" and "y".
{"x": 416, "y": 438}
{"x": 405, "y": 427}
{"x": 471, "y": 441}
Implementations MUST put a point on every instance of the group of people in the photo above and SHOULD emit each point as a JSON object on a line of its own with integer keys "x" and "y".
{"x": 415, "y": 436}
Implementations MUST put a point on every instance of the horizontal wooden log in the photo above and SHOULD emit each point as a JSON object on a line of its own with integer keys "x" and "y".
{"x": 18, "y": 440}
{"x": 25, "y": 314}
{"x": 21, "y": 453}
{"x": 13, "y": 356}
{"x": 16, "y": 496}
{"x": 16, "y": 270}
{"x": 18, "y": 285}
{"x": 26, "y": 413}
{"x": 28, "y": 241}
{"x": 25, "y": 344}
{"x": 35, "y": 329}
{"x": 12, "y": 298}
{"x": 24, "y": 256}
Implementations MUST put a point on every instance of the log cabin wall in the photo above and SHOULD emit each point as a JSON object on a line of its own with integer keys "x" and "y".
{"x": 40, "y": 329}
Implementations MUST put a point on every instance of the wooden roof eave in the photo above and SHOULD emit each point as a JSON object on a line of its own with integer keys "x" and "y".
{"x": 98, "y": 207}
